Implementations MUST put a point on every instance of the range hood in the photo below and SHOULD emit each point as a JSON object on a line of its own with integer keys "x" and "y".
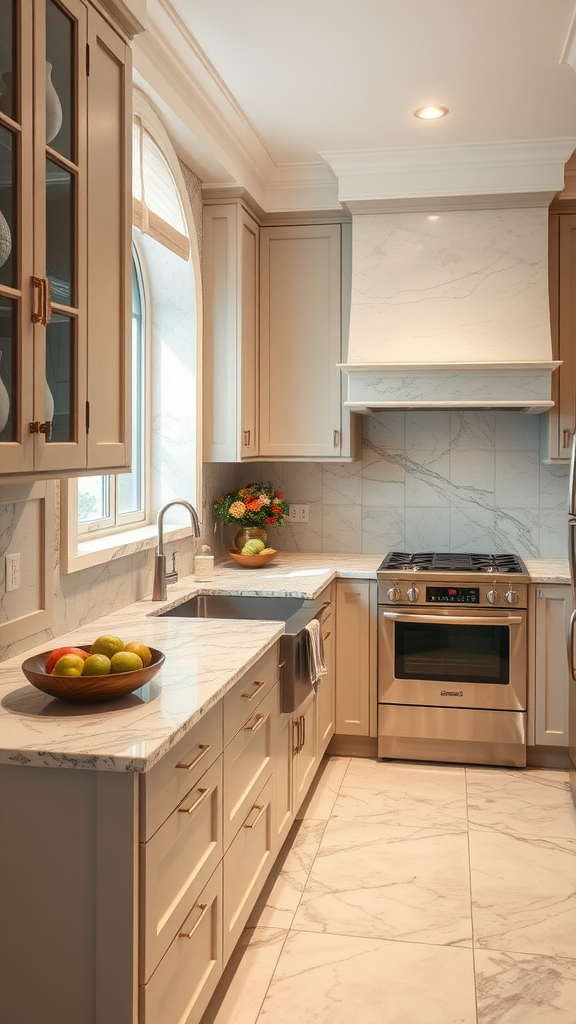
{"x": 450, "y": 309}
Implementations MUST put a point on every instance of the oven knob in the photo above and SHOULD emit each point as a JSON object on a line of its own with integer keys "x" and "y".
{"x": 493, "y": 596}
{"x": 412, "y": 594}
{"x": 394, "y": 594}
{"x": 511, "y": 596}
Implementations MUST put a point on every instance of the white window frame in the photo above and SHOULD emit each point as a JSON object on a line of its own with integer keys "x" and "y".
{"x": 117, "y": 521}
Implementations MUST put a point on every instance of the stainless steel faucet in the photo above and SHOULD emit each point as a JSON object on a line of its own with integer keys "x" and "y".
{"x": 161, "y": 577}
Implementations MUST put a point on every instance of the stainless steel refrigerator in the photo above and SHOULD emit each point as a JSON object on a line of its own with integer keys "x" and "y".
{"x": 572, "y": 627}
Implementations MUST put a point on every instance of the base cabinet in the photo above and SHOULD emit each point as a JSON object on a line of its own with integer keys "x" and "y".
{"x": 551, "y": 607}
{"x": 327, "y": 690}
{"x": 355, "y": 656}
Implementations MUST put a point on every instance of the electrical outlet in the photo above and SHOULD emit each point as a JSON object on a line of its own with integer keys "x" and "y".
{"x": 13, "y": 571}
{"x": 298, "y": 513}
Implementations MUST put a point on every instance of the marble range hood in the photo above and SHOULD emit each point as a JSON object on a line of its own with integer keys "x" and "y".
{"x": 450, "y": 309}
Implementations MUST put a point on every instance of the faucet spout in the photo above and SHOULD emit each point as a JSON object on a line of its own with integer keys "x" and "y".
{"x": 159, "y": 591}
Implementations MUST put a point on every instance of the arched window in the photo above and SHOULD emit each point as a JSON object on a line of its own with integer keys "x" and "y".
{"x": 166, "y": 328}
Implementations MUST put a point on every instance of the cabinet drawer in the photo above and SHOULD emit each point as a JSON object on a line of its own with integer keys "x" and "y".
{"x": 177, "y": 862}
{"x": 240, "y": 701}
{"x": 246, "y": 866}
{"x": 168, "y": 782}
{"x": 247, "y": 765}
{"x": 182, "y": 984}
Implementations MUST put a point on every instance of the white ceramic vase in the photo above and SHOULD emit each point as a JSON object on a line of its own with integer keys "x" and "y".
{"x": 53, "y": 107}
{"x": 5, "y": 239}
{"x": 4, "y": 403}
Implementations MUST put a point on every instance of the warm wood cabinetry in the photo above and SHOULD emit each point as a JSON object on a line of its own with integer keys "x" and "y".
{"x": 65, "y": 240}
{"x": 355, "y": 658}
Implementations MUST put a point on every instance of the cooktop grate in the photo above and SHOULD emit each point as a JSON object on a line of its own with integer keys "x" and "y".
{"x": 430, "y": 561}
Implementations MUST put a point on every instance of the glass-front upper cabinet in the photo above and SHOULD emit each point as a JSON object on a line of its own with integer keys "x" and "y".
{"x": 51, "y": 114}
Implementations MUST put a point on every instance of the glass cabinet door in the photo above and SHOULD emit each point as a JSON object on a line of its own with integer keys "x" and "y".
{"x": 16, "y": 448}
{"x": 61, "y": 91}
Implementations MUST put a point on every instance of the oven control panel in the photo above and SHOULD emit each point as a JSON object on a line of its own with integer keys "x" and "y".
{"x": 496, "y": 593}
{"x": 453, "y": 595}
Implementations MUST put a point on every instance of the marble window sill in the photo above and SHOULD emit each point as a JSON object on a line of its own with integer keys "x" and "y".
{"x": 98, "y": 550}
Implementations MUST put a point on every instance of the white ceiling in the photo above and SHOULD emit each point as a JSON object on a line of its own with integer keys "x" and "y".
{"x": 319, "y": 75}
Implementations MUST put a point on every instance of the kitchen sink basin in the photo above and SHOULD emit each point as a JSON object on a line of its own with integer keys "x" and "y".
{"x": 294, "y": 612}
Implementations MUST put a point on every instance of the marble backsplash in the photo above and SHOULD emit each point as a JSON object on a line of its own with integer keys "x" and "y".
{"x": 432, "y": 480}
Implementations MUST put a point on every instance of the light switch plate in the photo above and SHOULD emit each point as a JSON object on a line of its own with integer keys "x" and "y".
{"x": 298, "y": 513}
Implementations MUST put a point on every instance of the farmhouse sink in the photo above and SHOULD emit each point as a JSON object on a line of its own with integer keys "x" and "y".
{"x": 295, "y": 612}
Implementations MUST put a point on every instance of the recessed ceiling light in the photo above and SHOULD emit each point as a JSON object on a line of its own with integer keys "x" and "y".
{"x": 430, "y": 113}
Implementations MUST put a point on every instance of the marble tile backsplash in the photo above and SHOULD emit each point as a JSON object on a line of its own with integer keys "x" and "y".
{"x": 432, "y": 479}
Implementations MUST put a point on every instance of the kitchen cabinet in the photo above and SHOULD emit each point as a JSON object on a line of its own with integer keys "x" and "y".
{"x": 355, "y": 656}
{"x": 65, "y": 282}
{"x": 273, "y": 312}
{"x": 231, "y": 274}
{"x": 550, "y": 609}
{"x": 326, "y": 695}
{"x": 560, "y": 422}
{"x": 300, "y": 341}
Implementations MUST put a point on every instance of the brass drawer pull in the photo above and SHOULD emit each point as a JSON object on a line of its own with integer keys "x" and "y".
{"x": 329, "y": 633}
{"x": 258, "y": 722}
{"x": 327, "y": 604}
{"x": 204, "y": 748}
{"x": 246, "y": 438}
{"x": 202, "y": 907}
{"x": 257, "y": 807}
{"x": 39, "y": 313}
{"x": 196, "y": 804}
{"x": 258, "y": 685}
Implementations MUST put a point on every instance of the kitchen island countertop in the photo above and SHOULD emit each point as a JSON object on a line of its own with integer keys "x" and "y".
{"x": 204, "y": 658}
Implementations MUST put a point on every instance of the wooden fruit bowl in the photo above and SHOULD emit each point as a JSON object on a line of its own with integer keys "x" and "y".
{"x": 89, "y": 688}
{"x": 252, "y": 561}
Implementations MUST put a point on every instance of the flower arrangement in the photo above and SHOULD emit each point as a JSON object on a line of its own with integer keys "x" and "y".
{"x": 253, "y": 505}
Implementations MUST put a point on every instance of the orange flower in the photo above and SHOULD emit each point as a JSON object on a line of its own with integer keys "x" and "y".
{"x": 253, "y": 505}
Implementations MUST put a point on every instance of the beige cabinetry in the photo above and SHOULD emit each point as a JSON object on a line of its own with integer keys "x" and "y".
{"x": 65, "y": 267}
{"x": 355, "y": 656}
{"x": 326, "y": 696}
{"x": 231, "y": 272}
{"x": 272, "y": 339}
{"x": 300, "y": 341}
{"x": 550, "y": 609}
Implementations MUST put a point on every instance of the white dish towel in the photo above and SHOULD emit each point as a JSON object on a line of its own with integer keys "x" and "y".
{"x": 317, "y": 666}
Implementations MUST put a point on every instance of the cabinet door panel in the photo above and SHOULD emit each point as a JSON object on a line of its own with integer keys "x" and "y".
{"x": 353, "y": 658}
{"x": 247, "y": 763}
{"x": 283, "y": 756}
{"x": 553, "y": 608}
{"x": 326, "y": 690}
{"x": 306, "y": 760}
{"x": 109, "y": 247}
{"x": 300, "y": 318}
{"x": 246, "y": 866}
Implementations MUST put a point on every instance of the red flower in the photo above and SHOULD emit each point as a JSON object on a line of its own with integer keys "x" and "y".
{"x": 276, "y": 509}
{"x": 278, "y": 494}
{"x": 250, "y": 485}
{"x": 270, "y": 519}
{"x": 219, "y": 501}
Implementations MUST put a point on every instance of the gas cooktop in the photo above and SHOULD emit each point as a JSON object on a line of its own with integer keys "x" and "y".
{"x": 451, "y": 562}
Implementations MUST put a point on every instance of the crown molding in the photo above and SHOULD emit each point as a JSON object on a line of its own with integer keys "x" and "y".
{"x": 130, "y": 15}
{"x": 527, "y": 172}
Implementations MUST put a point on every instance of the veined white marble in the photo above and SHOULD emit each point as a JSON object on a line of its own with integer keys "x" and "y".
{"x": 463, "y": 286}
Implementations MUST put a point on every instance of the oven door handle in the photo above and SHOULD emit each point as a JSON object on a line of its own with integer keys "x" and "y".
{"x": 571, "y": 644}
{"x": 463, "y": 620}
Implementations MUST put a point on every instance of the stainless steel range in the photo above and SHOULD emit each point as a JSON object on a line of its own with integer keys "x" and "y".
{"x": 452, "y": 656}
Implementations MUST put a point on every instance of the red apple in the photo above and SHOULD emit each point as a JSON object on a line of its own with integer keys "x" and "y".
{"x": 55, "y": 656}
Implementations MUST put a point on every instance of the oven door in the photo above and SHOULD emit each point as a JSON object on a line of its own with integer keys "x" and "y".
{"x": 452, "y": 658}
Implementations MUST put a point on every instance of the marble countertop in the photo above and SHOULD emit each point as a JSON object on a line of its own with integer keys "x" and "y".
{"x": 204, "y": 658}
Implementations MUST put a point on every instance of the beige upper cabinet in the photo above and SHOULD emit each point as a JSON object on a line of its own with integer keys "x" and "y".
{"x": 300, "y": 331}
{"x": 561, "y": 421}
{"x": 231, "y": 260}
{"x": 64, "y": 240}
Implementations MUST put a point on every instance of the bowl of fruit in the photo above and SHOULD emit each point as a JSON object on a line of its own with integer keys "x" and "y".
{"x": 104, "y": 670}
{"x": 254, "y": 554}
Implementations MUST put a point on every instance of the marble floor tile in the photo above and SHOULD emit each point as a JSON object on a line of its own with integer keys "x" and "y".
{"x": 320, "y": 801}
{"x": 523, "y": 892}
{"x": 335, "y": 979}
{"x": 521, "y": 988}
{"x": 403, "y": 794}
{"x": 281, "y": 894}
{"x": 524, "y": 801}
{"x": 243, "y": 986}
{"x": 389, "y": 882}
